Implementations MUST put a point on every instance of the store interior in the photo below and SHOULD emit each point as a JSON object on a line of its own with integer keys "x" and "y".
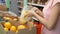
{"x": 12, "y": 13}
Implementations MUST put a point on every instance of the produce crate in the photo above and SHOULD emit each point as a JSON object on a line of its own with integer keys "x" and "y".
{"x": 14, "y": 23}
{"x": 22, "y": 31}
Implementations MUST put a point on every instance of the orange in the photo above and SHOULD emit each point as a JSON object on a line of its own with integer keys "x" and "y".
{"x": 7, "y": 25}
{"x": 16, "y": 31}
{"x": 13, "y": 28}
{"x": 6, "y": 29}
{"x": 21, "y": 27}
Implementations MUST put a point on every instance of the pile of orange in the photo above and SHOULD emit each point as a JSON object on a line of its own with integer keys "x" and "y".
{"x": 9, "y": 27}
{"x": 9, "y": 18}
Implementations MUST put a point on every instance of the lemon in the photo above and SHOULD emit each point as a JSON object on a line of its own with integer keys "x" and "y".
{"x": 21, "y": 27}
{"x": 6, "y": 29}
{"x": 13, "y": 28}
{"x": 7, "y": 25}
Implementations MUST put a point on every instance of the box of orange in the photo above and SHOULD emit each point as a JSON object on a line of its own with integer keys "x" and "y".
{"x": 12, "y": 26}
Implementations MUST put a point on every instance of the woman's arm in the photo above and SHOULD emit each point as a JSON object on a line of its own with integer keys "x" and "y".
{"x": 52, "y": 19}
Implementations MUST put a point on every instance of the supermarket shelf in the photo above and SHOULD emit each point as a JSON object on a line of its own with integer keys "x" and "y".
{"x": 36, "y": 4}
{"x": 19, "y": 1}
{"x": 20, "y": 7}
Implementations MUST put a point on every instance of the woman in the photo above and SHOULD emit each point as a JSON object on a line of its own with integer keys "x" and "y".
{"x": 51, "y": 13}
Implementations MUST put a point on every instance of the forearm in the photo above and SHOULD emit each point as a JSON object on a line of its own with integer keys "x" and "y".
{"x": 43, "y": 21}
{"x": 53, "y": 17}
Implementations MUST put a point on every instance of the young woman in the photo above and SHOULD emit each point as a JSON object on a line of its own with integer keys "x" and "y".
{"x": 51, "y": 19}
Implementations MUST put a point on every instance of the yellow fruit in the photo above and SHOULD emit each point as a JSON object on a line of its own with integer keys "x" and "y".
{"x": 7, "y": 18}
{"x": 6, "y": 29}
{"x": 17, "y": 31}
{"x": 21, "y": 27}
{"x": 7, "y": 25}
{"x": 13, "y": 28}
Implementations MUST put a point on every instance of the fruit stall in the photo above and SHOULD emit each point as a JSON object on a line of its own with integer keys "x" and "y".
{"x": 13, "y": 20}
{"x": 10, "y": 24}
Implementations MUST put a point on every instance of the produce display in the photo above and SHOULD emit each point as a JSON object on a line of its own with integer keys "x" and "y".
{"x": 13, "y": 24}
{"x": 9, "y": 27}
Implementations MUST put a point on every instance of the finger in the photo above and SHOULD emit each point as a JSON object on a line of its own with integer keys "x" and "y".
{"x": 37, "y": 11}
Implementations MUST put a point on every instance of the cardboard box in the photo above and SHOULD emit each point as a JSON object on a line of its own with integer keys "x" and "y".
{"x": 3, "y": 8}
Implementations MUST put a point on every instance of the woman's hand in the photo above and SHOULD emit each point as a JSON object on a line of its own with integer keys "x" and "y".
{"x": 38, "y": 11}
{"x": 30, "y": 13}
{"x": 33, "y": 11}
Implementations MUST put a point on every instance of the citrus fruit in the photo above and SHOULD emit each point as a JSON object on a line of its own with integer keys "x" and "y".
{"x": 16, "y": 31}
{"x": 13, "y": 28}
{"x": 7, "y": 25}
{"x": 6, "y": 29}
{"x": 21, "y": 27}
